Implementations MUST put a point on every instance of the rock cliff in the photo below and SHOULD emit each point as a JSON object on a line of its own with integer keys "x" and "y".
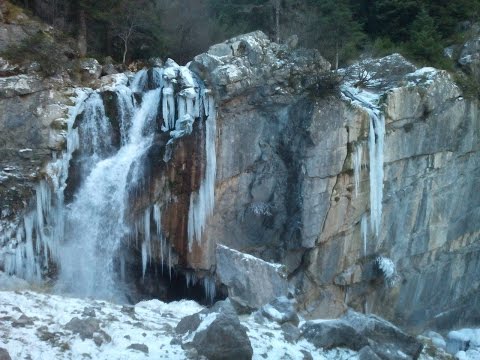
{"x": 291, "y": 141}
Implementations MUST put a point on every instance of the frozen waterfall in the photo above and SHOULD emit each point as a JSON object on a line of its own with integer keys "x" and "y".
{"x": 85, "y": 237}
{"x": 376, "y": 138}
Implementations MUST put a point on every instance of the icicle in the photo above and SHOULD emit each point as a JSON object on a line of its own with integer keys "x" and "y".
{"x": 202, "y": 203}
{"x": 357, "y": 166}
{"x": 375, "y": 144}
{"x": 122, "y": 267}
{"x": 157, "y": 74}
{"x": 146, "y": 231}
{"x": 170, "y": 262}
{"x": 209, "y": 287}
{"x": 144, "y": 258}
{"x": 190, "y": 278}
{"x": 168, "y": 108}
{"x": 364, "y": 230}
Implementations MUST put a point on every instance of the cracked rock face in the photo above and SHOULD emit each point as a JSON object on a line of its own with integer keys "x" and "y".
{"x": 290, "y": 154}
{"x": 285, "y": 189}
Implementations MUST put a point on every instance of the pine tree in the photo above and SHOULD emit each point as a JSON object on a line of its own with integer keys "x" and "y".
{"x": 425, "y": 42}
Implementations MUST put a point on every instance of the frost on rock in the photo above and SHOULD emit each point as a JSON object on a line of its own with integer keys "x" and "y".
{"x": 38, "y": 236}
{"x": 388, "y": 270}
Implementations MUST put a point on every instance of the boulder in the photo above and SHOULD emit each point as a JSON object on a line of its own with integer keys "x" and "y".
{"x": 109, "y": 69}
{"x": 90, "y": 70}
{"x": 251, "y": 282}
{"x": 4, "y": 355}
{"x": 291, "y": 333}
{"x": 366, "y": 353}
{"x": 88, "y": 328}
{"x": 139, "y": 347}
{"x": 215, "y": 333}
{"x": 23, "y": 321}
{"x": 20, "y": 85}
{"x": 462, "y": 340}
{"x": 281, "y": 310}
{"x": 329, "y": 334}
{"x": 387, "y": 340}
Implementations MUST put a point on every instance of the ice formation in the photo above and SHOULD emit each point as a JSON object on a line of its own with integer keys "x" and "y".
{"x": 84, "y": 238}
{"x": 376, "y": 139}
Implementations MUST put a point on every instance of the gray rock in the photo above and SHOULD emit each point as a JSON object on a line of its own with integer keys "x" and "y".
{"x": 83, "y": 327}
{"x": 88, "y": 328}
{"x": 366, "y": 353}
{"x": 109, "y": 69}
{"x": 139, "y": 347}
{"x": 215, "y": 333}
{"x": 220, "y": 50}
{"x": 385, "y": 338}
{"x": 291, "y": 333}
{"x": 155, "y": 62}
{"x": 330, "y": 334}
{"x": 90, "y": 70}
{"x": 20, "y": 85}
{"x": 281, "y": 310}
{"x": 251, "y": 282}
{"x": 23, "y": 321}
{"x": 4, "y": 355}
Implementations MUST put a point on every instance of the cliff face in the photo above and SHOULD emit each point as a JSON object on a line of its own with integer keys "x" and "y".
{"x": 286, "y": 189}
{"x": 288, "y": 150}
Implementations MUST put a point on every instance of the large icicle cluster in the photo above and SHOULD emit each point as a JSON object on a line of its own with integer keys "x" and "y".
{"x": 38, "y": 237}
{"x": 376, "y": 139}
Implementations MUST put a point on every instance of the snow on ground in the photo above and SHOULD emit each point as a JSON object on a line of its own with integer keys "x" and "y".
{"x": 33, "y": 326}
{"x": 42, "y": 335}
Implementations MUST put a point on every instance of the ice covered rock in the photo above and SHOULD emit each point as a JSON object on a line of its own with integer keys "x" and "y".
{"x": 90, "y": 69}
{"x": 10, "y": 282}
{"x": 215, "y": 333}
{"x": 251, "y": 282}
{"x": 462, "y": 340}
{"x": 281, "y": 310}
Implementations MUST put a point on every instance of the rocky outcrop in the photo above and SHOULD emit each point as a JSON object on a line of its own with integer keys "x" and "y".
{"x": 366, "y": 334}
{"x": 251, "y": 282}
{"x": 285, "y": 179}
{"x": 286, "y": 192}
{"x": 215, "y": 333}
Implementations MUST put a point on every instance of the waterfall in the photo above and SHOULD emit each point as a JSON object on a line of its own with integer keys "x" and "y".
{"x": 375, "y": 147}
{"x": 85, "y": 237}
{"x": 376, "y": 139}
{"x": 96, "y": 220}
{"x": 357, "y": 166}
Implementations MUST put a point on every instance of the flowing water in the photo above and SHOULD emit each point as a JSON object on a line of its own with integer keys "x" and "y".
{"x": 84, "y": 238}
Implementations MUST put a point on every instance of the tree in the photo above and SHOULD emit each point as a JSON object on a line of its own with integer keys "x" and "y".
{"x": 425, "y": 42}
{"x": 336, "y": 33}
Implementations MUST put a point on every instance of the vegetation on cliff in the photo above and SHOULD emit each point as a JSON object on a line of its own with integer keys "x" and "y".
{"x": 340, "y": 29}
